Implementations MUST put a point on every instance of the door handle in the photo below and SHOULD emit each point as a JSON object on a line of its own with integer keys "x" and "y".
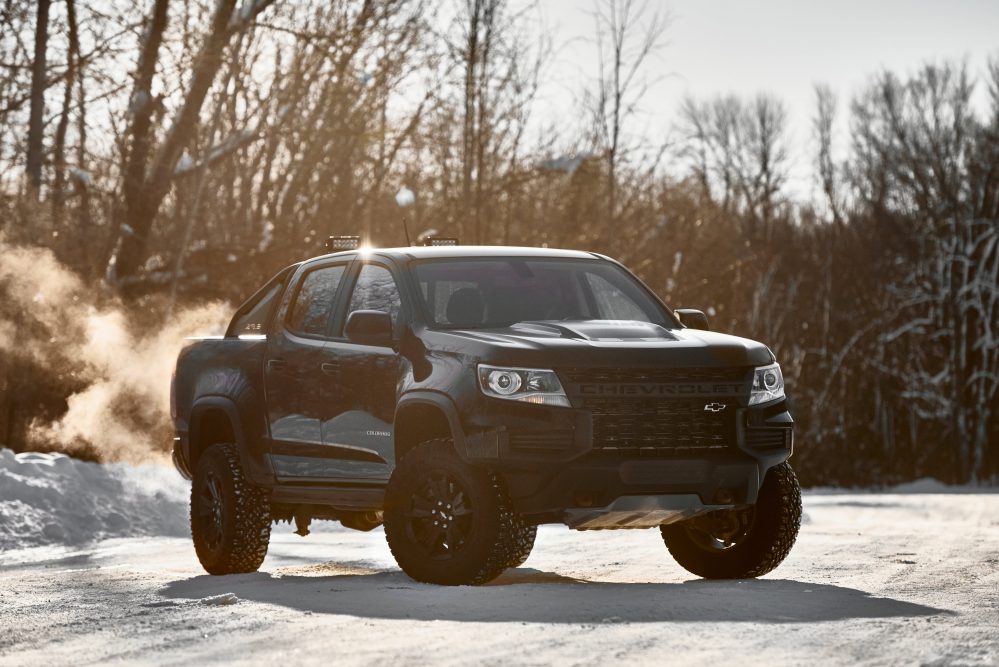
{"x": 277, "y": 364}
{"x": 330, "y": 368}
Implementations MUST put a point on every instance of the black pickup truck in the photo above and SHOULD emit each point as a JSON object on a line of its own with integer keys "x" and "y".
{"x": 461, "y": 396}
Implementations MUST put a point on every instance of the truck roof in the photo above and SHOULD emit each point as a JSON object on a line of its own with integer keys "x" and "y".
{"x": 435, "y": 252}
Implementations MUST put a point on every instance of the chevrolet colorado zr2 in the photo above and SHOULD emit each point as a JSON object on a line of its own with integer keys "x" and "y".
{"x": 461, "y": 396}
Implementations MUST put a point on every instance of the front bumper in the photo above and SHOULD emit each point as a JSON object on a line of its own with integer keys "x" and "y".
{"x": 557, "y": 470}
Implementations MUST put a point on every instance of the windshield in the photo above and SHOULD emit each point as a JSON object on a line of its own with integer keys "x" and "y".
{"x": 488, "y": 293}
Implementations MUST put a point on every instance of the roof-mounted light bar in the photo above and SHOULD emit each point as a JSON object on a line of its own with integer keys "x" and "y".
{"x": 338, "y": 243}
{"x": 439, "y": 240}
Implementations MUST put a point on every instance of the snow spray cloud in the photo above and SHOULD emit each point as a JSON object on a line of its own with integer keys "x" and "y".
{"x": 118, "y": 372}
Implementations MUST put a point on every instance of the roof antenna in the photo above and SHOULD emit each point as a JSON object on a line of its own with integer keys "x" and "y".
{"x": 405, "y": 198}
{"x": 405, "y": 228}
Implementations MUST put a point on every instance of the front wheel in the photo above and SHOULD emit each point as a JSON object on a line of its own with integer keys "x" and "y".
{"x": 741, "y": 543}
{"x": 521, "y": 543}
{"x": 447, "y": 522}
{"x": 230, "y": 518}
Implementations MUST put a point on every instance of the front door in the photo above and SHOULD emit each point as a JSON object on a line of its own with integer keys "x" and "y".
{"x": 359, "y": 402}
{"x": 293, "y": 368}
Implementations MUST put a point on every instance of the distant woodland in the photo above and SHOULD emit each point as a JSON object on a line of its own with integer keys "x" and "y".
{"x": 170, "y": 153}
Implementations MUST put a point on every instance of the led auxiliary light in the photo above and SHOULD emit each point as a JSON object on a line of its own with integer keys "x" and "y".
{"x": 338, "y": 243}
{"x": 440, "y": 240}
{"x": 528, "y": 385}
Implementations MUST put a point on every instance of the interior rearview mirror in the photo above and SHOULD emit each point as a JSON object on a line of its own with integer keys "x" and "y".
{"x": 695, "y": 319}
{"x": 369, "y": 327}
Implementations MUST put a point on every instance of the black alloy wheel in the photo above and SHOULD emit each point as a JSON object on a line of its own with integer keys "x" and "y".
{"x": 210, "y": 510}
{"x": 721, "y": 530}
{"x": 448, "y": 522}
{"x": 439, "y": 516}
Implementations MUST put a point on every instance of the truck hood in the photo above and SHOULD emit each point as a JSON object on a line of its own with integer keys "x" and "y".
{"x": 604, "y": 343}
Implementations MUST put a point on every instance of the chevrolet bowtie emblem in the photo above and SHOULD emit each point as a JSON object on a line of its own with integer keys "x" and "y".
{"x": 714, "y": 407}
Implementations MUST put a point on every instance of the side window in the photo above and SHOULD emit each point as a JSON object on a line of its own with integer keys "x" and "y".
{"x": 313, "y": 304}
{"x": 612, "y": 303}
{"x": 252, "y": 320}
{"x": 376, "y": 290}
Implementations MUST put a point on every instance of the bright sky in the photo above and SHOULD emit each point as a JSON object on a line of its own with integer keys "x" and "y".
{"x": 777, "y": 46}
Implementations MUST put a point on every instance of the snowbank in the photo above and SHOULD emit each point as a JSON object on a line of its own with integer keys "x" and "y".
{"x": 922, "y": 486}
{"x": 54, "y": 499}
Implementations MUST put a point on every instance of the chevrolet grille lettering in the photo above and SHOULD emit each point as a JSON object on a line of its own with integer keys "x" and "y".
{"x": 673, "y": 389}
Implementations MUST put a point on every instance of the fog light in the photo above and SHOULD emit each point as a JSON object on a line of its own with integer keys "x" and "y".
{"x": 724, "y": 497}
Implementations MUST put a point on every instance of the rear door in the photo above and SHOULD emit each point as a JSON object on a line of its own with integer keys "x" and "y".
{"x": 293, "y": 368}
{"x": 359, "y": 401}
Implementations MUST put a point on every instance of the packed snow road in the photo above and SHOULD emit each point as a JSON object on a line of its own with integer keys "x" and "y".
{"x": 874, "y": 578}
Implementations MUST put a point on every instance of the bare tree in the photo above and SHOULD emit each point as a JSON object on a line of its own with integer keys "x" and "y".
{"x": 149, "y": 168}
{"x": 822, "y": 124}
{"x": 711, "y": 142}
{"x": 738, "y": 151}
{"x": 481, "y": 23}
{"x": 918, "y": 146}
{"x": 69, "y": 82}
{"x": 628, "y": 33}
{"x": 499, "y": 69}
{"x": 39, "y": 83}
{"x": 763, "y": 161}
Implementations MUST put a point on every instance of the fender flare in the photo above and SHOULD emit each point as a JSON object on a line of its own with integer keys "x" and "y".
{"x": 438, "y": 400}
{"x": 228, "y": 407}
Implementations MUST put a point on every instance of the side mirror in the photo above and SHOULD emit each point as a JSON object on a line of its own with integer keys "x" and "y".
{"x": 369, "y": 327}
{"x": 695, "y": 319}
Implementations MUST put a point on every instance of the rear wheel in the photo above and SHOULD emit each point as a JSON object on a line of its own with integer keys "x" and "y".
{"x": 447, "y": 522}
{"x": 741, "y": 543}
{"x": 230, "y": 519}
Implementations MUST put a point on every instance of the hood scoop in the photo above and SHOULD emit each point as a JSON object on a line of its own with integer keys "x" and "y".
{"x": 597, "y": 330}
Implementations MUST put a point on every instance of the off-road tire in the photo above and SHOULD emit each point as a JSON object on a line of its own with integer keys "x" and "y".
{"x": 776, "y": 519}
{"x": 521, "y": 542}
{"x": 490, "y": 534}
{"x": 245, "y": 517}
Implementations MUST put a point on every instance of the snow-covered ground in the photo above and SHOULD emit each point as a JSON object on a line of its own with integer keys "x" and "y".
{"x": 875, "y": 578}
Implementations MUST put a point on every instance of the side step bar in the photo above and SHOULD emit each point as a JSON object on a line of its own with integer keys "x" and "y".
{"x": 368, "y": 498}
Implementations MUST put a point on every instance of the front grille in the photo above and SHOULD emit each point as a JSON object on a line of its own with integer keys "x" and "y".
{"x": 768, "y": 438}
{"x": 660, "y": 427}
{"x": 655, "y": 375}
{"x": 539, "y": 441}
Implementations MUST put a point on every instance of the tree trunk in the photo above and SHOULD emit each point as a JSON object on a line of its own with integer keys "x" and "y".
{"x": 36, "y": 120}
{"x": 138, "y": 140}
{"x": 468, "y": 129}
{"x": 57, "y": 196}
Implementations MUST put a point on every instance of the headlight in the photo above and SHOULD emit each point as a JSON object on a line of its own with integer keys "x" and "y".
{"x": 768, "y": 384}
{"x": 529, "y": 385}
